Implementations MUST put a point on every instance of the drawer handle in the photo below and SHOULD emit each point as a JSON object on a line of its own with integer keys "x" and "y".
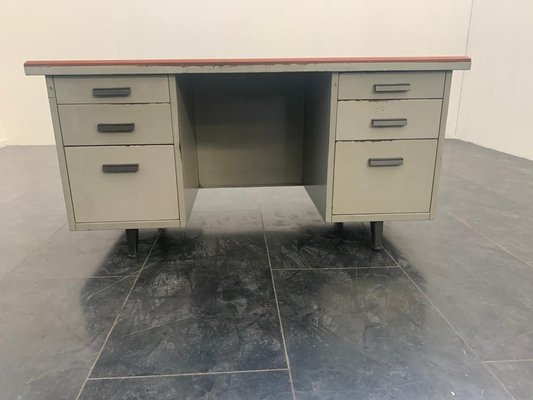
{"x": 385, "y": 162}
{"x": 112, "y": 92}
{"x": 115, "y": 128}
{"x": 389, "y": 123}
{"x": 392, "y": 87}
{"x": 119, "y": 168}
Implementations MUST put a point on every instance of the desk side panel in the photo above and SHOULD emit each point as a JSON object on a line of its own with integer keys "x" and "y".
{"x": 185, "y": 144}
{"x": 320, "y": 109}
{"x": 440, "y": 145}
{"x": 65, "y": 182}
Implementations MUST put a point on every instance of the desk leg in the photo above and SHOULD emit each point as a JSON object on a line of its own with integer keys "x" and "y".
{"x": 132, "y": 237}
{"x": 376, "y": 228}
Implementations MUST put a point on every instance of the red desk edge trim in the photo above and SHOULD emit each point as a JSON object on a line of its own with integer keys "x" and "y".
{"x": 245, "y": 61}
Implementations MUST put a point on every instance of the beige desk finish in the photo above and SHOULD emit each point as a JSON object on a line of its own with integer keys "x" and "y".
{"x": 137, "y": 138}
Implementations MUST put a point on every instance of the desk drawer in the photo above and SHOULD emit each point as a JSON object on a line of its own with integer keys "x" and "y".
{"x": 369, "y": 180}
{"x": 111, "y": 89}
{"x": 391, "y": 85}
{"x": 389, "y": 119}
{"x": 107, "y": 124}
{"x": 123, "y": 183}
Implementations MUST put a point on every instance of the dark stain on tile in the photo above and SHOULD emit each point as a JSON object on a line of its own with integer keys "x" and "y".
{"x": 370, "y": 334}
{"x": 305, "y": 246}
{"x": 197, "y": 315}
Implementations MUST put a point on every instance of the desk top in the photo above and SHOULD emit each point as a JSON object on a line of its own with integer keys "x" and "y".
{"x": 257, "y": 65}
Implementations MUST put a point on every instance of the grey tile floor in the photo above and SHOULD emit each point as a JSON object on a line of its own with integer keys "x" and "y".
{"x": 258, "y": 299}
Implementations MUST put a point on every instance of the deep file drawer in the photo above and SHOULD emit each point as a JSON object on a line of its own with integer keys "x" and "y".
{"x": 383, "y": 177}
{"x": 111, "y": 89}
{"x": 107, "y": 124}
{"x": 391, "y": 85}
{"x": 123, "y": 183}
{"x": 388, "y": 119}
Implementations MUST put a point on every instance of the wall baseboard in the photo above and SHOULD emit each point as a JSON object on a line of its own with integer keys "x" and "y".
{"x": 3, "y": 143}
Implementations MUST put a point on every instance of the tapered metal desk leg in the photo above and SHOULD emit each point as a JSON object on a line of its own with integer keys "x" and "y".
{"x": 376, "y": 228}
{"x": 132, "y": 237}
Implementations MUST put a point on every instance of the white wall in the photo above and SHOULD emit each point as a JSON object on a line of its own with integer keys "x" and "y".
{"x": 66, "y": 29}
{"x": 496, "y": 106}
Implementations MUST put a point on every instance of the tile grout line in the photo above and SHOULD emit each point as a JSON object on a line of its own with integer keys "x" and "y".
{"x": 250, "y": 371}
{"x": 277, "y": 307}
{"x": 70, "y": 278}
{"x": 507, "y": 361}
{"x": 454, "y": 329}
{"x": 433, "y": 304}
{"x": 318, "y": 269}
{"x": 489, "y": 239}
{"x": 119, "y": 313}
{"x": 499, "y": 381}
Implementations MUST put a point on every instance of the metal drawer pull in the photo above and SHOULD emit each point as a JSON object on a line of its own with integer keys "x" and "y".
{"x": 119, "y": 168}
{"x": 112, "y": 92}
{"x": 389, "y": 123}
{"x": 115, "y": 128}
{"x": 392, "y": 87}
{"x": 385, "y": 162}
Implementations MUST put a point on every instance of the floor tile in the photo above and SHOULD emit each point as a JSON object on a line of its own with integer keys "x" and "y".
{"x": 484, "y": 291}
{"x": 31, "y": 166}
{"x": 509, "y": 176}
{"x": 287, "y": 218}
{"x": 250, "y": 386}
{"x": 286, "y": 207}
{"x": 516, "y": 376}
{"x": 235, "y": 221}
{"x": 303, "y": 245}
{"x": 499, "y": 219}
{"x": 85, "y": 254}
{"x": 208, "y": 234}
{"x": 226, "y": 199}
{"x": 20, "y": 236}
{"x": 280, "y": 198}
{"x": 197, "y": 315}
{"x": 370, "y": 334}
{"x": 37, "y": 200}
{"x": 51, "y": 331}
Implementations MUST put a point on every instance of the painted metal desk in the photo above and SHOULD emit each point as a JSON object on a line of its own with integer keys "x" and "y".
{"x": 137, "y": 138}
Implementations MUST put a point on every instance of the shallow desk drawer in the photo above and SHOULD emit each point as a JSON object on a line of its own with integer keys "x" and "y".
{"x": 105, "y": 124}
{"x": 391, "y": 85}
{"x": 123, "y": 183}
{"x": 111, "y": 89}
{"x": 388, "y": 119}
{"x": 383, "y": 177}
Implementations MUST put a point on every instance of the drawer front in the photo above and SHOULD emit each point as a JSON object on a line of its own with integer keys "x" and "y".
{"x": 394, "y": 119}
{"x": 111, "y": 89}
{"x": 391, "y": 85}
{"x": 381, "y": 185}
{"x": 123, "y": 183}
{"x": 108, "y": 124}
